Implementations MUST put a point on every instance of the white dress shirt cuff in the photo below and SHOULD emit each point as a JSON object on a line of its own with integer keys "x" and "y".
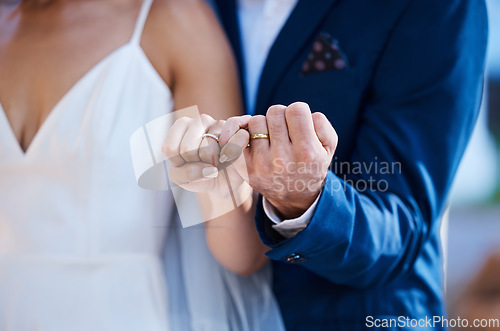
{"x": 289, "y": 228}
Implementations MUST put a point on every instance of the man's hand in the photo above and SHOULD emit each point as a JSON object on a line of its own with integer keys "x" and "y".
{"x": 289, "y": 169}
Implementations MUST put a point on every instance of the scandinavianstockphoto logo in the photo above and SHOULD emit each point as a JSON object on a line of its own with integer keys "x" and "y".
{"x": 362, "y": 176}
{"x": 371, "y": 175}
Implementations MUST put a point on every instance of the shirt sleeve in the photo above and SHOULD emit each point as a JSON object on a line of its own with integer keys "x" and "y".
{"x": 289, "y": 228}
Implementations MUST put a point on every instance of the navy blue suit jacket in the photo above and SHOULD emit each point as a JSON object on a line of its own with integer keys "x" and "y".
{"x": 408, "y": 100}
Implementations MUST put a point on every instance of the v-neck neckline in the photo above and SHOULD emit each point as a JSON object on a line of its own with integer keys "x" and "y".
{"x": 53, "y": 113}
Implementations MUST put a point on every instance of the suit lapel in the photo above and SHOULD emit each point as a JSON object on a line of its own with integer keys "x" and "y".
{"x": 228, "y": 15}
{"x": 299, "y": 28}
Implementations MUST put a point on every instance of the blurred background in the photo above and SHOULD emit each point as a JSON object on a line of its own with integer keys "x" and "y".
{"x": 473, "y": 229}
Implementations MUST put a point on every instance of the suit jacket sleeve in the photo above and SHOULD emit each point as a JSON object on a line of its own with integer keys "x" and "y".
{"x": 419, "y": 112}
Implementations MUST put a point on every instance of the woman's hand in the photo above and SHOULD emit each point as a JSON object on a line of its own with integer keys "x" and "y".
{"x": 195, "y": 157}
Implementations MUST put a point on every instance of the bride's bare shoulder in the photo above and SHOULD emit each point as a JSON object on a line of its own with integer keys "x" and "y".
{"x": 183, "y": 16}
{"x": 182, "y": 30}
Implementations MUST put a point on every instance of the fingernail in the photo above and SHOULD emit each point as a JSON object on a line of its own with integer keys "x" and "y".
{"x": 210, "y": 172}
{"x": 229, "y": 153}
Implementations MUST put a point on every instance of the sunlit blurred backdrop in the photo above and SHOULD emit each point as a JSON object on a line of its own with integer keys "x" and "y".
{"x": 473, "y": 230}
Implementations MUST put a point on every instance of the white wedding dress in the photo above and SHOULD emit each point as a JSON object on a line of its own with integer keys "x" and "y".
{"x": 83, "y": 247}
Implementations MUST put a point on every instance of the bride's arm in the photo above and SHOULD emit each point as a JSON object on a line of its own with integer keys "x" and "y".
{"x": 204, "y": 74}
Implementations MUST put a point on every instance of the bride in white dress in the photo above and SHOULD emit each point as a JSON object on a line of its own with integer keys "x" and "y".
{"x": 82, "y": 247}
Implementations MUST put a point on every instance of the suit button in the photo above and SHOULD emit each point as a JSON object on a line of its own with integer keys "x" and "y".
{"x": 295, "y": 258}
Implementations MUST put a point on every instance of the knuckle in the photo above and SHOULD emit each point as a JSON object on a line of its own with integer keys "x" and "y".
{"x": 299, "y": 105}
{"x": 206, "y": 120}
{"x": 187, "y": 152}
{"x": 319, "y": 116}
{"x": 207, "y": 154}
{"x": 280, "y": 154}
{"x": 306, "y": 152}
{"x": 183, "y": 150}
{"x": 216, "y": 128}
{"x": 320, "y": 121}
{"x": 183, "y": 121}
{"x": 169, "y": 151}
{"x": 298, "y": 109}
{"x": 204, "y": 154}
{"x": 276, "y": 110}
{"x": 231, "y": 121}
{"x": 278, "y": 161}
{"x": 308, "y": 156}
{"x": 257, "y": 120}
{"x": 304, "y": 146}
{"x": 205, "y": 117}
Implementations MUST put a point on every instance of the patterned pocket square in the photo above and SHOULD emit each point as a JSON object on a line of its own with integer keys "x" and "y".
{"x": 325, "y": 54}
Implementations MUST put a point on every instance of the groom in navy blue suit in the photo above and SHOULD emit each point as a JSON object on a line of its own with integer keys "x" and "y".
{"x": 401, "y": 83}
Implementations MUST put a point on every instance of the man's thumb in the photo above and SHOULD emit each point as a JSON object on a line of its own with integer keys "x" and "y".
{"x": 325, "y": 132}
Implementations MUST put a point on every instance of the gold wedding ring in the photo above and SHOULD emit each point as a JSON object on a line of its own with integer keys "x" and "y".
{"x": 259, "y": 136}
{"x": 209, "y": 135}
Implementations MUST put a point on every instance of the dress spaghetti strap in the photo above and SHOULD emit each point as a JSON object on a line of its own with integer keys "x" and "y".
{"x": 141, "y": 20}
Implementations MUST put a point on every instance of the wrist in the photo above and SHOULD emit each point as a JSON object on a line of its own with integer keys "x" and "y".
{"x": 293, "y": 208}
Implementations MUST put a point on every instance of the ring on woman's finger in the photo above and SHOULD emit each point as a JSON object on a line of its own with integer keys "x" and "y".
{"x": 209, "y": 135}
